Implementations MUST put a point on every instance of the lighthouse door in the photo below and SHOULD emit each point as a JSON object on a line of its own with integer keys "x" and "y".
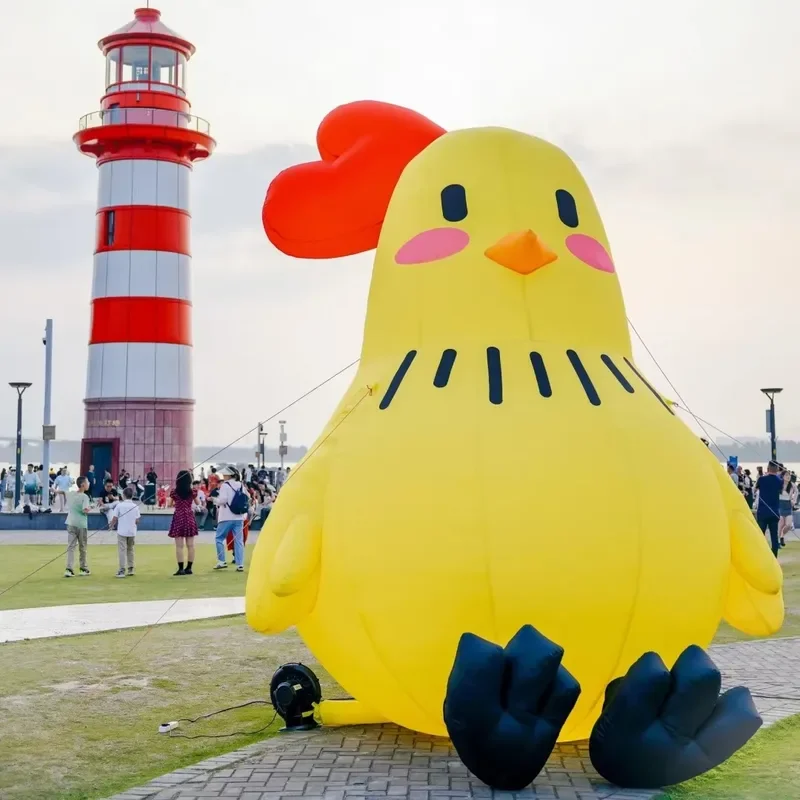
{"x": 102, "y": 457}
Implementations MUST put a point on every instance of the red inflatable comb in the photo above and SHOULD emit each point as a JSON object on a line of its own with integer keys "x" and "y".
{"x": 335, "y": 207}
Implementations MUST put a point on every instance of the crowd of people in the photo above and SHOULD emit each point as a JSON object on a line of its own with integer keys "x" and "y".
{"x": 226, "y": 499}
{"x": 773, "y": 496}
{"x": 32, "y": 481}
{"x": 151, "y": 492}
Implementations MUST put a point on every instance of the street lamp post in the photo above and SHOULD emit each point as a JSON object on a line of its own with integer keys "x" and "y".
{"x": 261, "y": 439}
{"x": 773, "y": 440}
{"x": 20, "y": 386}
{"x": 48, "y": 431}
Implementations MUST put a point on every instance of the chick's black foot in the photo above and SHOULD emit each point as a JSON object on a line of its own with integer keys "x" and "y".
{"x": 660, "y": 727}
{"x": 506, "y": 706}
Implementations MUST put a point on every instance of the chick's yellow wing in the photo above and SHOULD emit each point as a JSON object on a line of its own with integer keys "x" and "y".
{"x": 284, "y": 570}
{"x": 754, "y": 603}
{"x": 282, "y": 584}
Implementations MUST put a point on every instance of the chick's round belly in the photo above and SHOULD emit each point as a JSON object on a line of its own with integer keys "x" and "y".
{"x": 462, "y": 516}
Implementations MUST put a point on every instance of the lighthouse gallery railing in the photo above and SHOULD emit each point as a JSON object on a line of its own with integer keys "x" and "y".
{"x": 144, "y": 116}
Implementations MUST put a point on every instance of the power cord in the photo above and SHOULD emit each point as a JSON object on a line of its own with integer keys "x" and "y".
{"x": 169, "y": 727}
{"x": 223, "y": 710}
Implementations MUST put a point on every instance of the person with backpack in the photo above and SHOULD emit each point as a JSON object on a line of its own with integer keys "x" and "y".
{"x": 233, "y": 506}
{"x": 230, "y": 542}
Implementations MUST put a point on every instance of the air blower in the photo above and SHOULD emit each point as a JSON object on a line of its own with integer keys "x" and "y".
{"x": 294, "y": 692}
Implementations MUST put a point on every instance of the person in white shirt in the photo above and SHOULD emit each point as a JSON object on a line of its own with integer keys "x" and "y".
{"x": 280, "y": 478}
{"x": 62, "y": 485}
{"x": 44, "y": 487}
{"x": 786, "y": 504}
{"x": 125, "y": 518}
{"x": 228, "y": 520}
{"x": 3, "y": 484}
{"x": 11, "y": 482}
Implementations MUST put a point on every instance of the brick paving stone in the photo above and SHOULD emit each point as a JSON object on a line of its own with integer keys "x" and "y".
{"x": 384, "y": 761}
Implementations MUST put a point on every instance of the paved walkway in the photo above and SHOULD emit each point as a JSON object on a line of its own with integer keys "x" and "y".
{"x": 386, "y": 761}
{"x": 41, "y": 623}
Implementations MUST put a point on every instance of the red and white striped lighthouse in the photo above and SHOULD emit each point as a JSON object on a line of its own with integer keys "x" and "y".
{"x": 139, "y": 398}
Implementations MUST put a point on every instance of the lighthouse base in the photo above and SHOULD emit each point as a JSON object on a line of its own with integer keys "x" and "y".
{"x": 136, "y": 435}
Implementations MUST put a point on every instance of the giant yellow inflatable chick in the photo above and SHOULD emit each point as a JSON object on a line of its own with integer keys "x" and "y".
{"x": 499, "y": 459}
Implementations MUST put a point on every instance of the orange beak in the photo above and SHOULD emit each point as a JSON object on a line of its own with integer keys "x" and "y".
{"x": 524, "y": 252}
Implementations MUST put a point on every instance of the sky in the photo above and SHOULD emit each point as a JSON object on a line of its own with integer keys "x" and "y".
{"x": 683, "y": 117}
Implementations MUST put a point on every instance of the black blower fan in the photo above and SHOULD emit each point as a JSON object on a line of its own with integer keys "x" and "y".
{"x": 294, "y": 691}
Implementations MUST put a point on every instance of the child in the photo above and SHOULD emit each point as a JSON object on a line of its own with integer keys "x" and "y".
{"x": 183, "y": 527}
{"x": 125, "y": 518}
{"x": 77, "y": 527}
{"x": 211, "y": 505}
{"x": 199, "y": 504}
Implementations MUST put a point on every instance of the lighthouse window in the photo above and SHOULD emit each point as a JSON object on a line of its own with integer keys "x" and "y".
{"x": 111, "y": 218}
{"x": 135, "y": 64}
{"x": 164, "y": 65}
{"x": 112, "y": 67}
{"x": 181, "y": 71}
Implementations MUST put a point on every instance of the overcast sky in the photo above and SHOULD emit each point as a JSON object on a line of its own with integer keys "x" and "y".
{"x": 683, "y": 116}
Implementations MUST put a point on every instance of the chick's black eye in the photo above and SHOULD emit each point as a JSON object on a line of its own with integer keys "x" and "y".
{"x": 567, "y": 210}
{"x": 454, "y": 202}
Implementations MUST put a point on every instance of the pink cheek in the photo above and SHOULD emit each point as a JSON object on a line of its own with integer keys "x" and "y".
{"x": 432, "y": 245}
{"x": 590, "y": 251}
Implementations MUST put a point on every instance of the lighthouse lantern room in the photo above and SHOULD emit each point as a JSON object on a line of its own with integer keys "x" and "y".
{"x": 139, "y": 397}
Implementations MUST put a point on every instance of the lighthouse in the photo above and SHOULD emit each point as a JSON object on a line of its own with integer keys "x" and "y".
{"x": 139, "y": 400}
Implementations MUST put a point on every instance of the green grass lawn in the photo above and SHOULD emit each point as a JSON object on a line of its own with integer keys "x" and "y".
{"x": 767, "y": 768}
{"x": 153, "y": 581}
{"x": 80, "y": 716}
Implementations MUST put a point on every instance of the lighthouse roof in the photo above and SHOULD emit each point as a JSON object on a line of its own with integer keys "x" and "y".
{"x": 146, "y": 24}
